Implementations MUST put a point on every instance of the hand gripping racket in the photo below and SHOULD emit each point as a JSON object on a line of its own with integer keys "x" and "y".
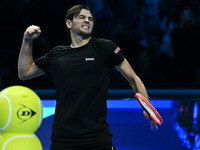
{"x": 150, "y": 110}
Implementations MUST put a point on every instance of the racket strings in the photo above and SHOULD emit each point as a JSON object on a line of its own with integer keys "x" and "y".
{"x": 149, "y": 108}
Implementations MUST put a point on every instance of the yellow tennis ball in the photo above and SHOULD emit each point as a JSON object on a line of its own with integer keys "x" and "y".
{"x": 5, "y": 108}
{"x": 20, "y": 110}
{"x": 14, "y": 141}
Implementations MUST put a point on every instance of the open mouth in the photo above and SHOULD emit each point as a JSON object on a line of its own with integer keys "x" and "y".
{"x": 85, "y": 27}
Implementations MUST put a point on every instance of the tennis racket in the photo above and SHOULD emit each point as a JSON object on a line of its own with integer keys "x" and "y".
{"x": 150, "y": 110}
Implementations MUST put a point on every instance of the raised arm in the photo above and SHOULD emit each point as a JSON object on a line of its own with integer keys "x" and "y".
{"x": 26, "y": 66}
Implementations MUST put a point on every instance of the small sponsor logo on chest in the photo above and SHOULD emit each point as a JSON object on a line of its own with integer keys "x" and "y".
{"x": 89, "y": 59}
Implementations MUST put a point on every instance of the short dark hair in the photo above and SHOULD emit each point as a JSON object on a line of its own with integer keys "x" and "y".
{"x": 75, "y": 10}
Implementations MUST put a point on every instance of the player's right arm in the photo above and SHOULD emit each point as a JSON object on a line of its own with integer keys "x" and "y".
{"x": 26, "y": 66}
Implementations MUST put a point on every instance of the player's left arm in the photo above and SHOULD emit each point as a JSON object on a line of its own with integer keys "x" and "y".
{"x": 137, "y": 85}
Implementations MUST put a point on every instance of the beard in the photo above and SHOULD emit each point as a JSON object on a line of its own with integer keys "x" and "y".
{"x": 84, "y": 34}
{"x": 81, "y": 32}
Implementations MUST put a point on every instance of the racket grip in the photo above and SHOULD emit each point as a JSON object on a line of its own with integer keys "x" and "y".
{"x": 154, "y": 126}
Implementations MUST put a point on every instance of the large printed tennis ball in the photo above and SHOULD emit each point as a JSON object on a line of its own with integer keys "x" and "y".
{"x": 15, "y": 141}
{"x": 20, "y": 110}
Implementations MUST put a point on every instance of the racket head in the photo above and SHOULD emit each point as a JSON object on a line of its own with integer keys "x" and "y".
{"x": 148, "y": 107}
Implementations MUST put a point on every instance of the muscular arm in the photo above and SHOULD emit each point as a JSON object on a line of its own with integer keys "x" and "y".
{"x": 26, "y": 66}
{"x": 135, "y": 82}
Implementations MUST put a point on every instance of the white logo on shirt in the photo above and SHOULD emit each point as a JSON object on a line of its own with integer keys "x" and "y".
{"x": 89, "y": 59}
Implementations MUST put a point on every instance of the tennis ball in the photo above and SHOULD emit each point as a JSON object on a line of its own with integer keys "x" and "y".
{"x": 14, "y": 141}
{"x": 20, "y": 110}
{"x": 4, "y": 111}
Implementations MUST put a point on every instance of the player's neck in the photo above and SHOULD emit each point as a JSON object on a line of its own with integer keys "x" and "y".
{"x": 79, "y": 41}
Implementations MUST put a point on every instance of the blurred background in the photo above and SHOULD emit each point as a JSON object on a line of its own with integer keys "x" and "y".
{"x": 160, "y": 38}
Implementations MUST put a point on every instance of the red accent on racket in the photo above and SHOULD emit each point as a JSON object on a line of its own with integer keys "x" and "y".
{"x": 148, "y": 107}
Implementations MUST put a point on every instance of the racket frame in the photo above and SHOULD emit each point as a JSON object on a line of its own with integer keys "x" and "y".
{"x": 159, "y": 119}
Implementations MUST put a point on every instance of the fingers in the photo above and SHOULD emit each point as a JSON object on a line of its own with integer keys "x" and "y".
{"x": 32, "y": 32}
{"x": 145, "y": 115}
{"x": 33, "y": 28}
{"x": 153, "y": 124}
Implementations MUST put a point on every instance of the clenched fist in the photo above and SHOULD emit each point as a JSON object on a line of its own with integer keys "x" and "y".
{"x": 32, "y": 32}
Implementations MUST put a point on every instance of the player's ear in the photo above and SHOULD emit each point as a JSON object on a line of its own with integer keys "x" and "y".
{"x": 68, "y": 23}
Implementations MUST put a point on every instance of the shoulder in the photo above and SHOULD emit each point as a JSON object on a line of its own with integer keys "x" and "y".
{"x": 104, "y": 43}
{"x": 101, "y": 40}
{"x": 57, "y": 50}
{"x": 60, "y": 48}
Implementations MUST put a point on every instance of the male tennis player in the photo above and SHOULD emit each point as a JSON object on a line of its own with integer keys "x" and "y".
{"x": 80, "y": 72}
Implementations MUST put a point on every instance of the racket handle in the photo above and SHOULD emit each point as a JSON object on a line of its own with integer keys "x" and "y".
{"x": 154, "y": 126}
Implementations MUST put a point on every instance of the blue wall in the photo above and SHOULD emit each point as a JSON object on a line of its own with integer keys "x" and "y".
{"x": 131, "y": 130}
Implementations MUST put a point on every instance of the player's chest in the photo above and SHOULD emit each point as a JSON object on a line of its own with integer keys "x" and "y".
{"x": 79, "y": 61}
